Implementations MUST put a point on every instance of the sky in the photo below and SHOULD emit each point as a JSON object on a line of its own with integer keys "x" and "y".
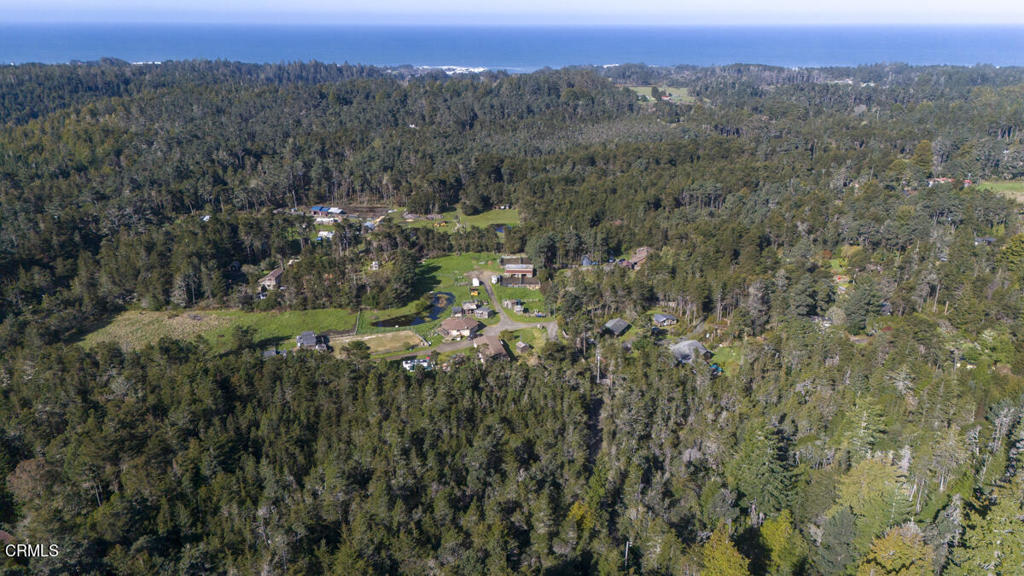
{"x": 520, "y": 12}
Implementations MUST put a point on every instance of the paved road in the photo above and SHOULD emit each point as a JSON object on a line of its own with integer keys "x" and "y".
{"x": 505, "y": 323}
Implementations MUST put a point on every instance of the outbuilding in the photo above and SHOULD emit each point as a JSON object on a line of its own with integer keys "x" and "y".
{"x": 616, "y": 326}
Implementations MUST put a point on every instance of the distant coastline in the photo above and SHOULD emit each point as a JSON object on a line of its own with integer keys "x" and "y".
{"x": 517, "y": 49}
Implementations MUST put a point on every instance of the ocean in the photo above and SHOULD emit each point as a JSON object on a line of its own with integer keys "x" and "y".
{"x": 518, "y": 49}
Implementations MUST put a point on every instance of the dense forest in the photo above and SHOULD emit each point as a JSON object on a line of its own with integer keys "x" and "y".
{"x": 832, "y": 228}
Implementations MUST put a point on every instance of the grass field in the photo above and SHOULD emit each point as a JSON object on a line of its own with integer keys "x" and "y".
{"x": 535, "y": 337}
{"x": 728, "y": 357}
{"x": 444, "y": 274}
{"x": 449, "y": 273}
{"x": 490, "y": 218}
{"x": 135, "y": 329}
{"x": 1013, "y": 189}
{"x": 837, "y": 265}
{"x": 453, "y": 218}
{"x": 532, "y": 299}
{"x": 678, "y": 94}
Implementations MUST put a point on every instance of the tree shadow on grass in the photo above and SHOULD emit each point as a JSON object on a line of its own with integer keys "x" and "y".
{"x": 426, "y": 280}
{"x": 270, "y": 343}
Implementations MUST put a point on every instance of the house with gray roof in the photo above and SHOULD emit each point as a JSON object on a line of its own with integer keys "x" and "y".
{"x": 687, "y": 351}
{"x": 663, "y": 320}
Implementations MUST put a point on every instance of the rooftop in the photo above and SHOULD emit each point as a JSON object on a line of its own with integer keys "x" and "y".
{"x": 489, "y": 347}
{"x": 616, "y": 326}
{"x": 686, "y": 351}
{"x": 459, "y": 323}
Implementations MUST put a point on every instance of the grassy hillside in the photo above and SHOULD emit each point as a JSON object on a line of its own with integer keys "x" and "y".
{"x": 137, "y": 328}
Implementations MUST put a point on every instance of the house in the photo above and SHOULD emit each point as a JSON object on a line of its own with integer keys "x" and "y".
{"x": 494, "y": 278}
{"x": 326, "y": 214}
{"x": 489, "y": 348}
{"x": 326, "y": 211}
{"x": 616, "y": 326}
{"x": 413, "y": 363}
{"x": 310, "y": 340}
{"x": 519, "y": 308}
{"x": 639, "y": 257}
{"x": 470, "y": 305}
{"x": 664, "y": 320}
{"x": 459, "y": 327}
{"x": 687, "y": 351}
{"x": 483, "y": 312}
{"x": 272, "y": 352}
{"x": 475, "y": 282}
{"x": 522, "y": 347}
{"x": 272, "y": 281}
{"x": 325, "y": 234}
{"x": 984, "y": 241}
{"x": 586, "y": 262}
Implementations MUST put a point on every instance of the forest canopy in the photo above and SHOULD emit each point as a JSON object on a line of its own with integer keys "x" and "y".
{"x": 835, "y": 237}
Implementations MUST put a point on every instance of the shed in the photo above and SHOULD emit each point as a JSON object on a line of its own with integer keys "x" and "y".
{"x": 616, "y": 326}
{"x": 664, "y": 319}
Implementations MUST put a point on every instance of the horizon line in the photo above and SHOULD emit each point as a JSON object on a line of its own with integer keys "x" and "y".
{"x": 403, "y": 24}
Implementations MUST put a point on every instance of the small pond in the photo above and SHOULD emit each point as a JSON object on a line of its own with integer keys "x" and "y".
{"x": 439, "y": 303}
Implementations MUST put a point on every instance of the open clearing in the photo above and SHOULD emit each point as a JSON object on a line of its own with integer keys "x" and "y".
{"x": 1013, "y": 189}
{"x": 678, "y": 94}
{"x": 535, "y": 337}
{"x": 452, "y": 220}
{"x": 728, "y": 357}
{"x": 444, "y": 274}
{"x": 533, "y": 300}
{"x": 381, "y": 343}
{"x": 136, "y": 328}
